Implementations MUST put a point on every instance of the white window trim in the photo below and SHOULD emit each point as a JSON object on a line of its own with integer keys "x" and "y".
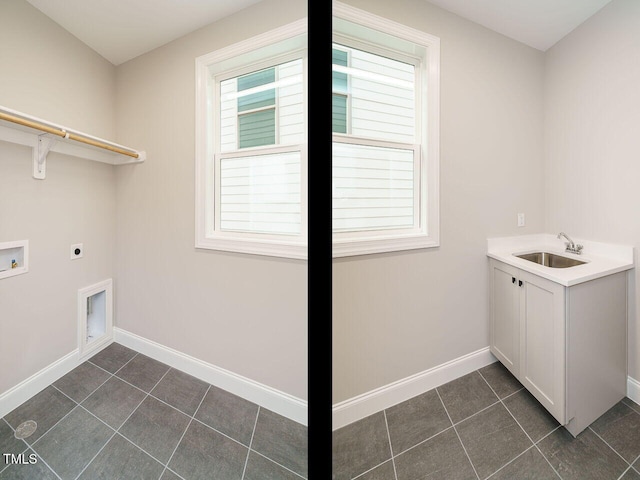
{"x": 258, "y": 244}
{"x": 428, "y": 235}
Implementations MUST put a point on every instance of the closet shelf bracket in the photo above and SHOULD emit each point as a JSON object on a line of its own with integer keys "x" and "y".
{"x": 40, "y": 152}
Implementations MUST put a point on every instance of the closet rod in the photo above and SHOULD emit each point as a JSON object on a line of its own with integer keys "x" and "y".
{"x": 54, "y": 130}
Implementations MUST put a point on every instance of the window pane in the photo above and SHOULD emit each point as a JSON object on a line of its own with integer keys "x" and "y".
{"x": 382, "y": 97}
{"x": 261, "y": 194}
{"x": 251, "y": 106}
{"x": 257, "y": 128}
{"x": 372, "y": 188}
{"x": 339, "y": 57}
{"x": 339, "y": 114}
{"x": 258, "y": 99}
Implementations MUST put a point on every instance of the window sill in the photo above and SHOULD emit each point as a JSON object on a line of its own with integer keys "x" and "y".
{"x": 353, "y": 247}
{"x": 255, "y": 247}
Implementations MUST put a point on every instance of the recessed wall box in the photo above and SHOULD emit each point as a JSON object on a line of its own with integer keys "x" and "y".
{"x": 14, "y": 258}
{"x": 95, "y": 317}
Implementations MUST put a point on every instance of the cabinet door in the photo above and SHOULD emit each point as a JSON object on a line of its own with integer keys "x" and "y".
{"x": 542, "y": 342}
{"x": 505, "y": 330}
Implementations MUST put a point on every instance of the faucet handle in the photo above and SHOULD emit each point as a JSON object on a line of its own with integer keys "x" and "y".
{"x": 575, "y": 248}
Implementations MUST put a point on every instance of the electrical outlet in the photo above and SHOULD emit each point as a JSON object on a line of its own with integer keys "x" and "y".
{"x": 521, "y": 219}
{"x": 77, "y": 251}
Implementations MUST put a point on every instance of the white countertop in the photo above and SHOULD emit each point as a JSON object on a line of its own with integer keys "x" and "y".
{"x": 602, "y": 258}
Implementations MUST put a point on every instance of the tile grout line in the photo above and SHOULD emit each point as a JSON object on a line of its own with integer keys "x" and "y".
{"x": 115, "y": 430}
{"x": 185, "y": 430}
{"x": 143, "y": 450}
{"x": 401, "y": 453}
{"x": 521, "y": 428}
{"x": 149, "y": 394}
{"x": 393, "y": 462}
{"x": 511, "y": 461}
{"x": 624, "y": 472}
{"x": 282, "y": 466}
{"x": 420, "y": 443}
{"x": 630, "y": 464}
{"x": 507, "y": 396}
{"x": 77, "y": 404}
{"x": 48, "y": 466}
{"x": 442, "y": 431}
{"x": 246, "y": 460}
{"x": 458, "y": 435}
{"x": 634, "y": 468}
{"x": 65, "y": 416}
{"x": 607, "y": 444}
{"x": 542, "y": 453}
{"x": 20, "y": 439}
{"x": 25, "y": 451}
{"x": 121, "y": 435}
{"x": 373, "y": 468}
{"x": 94, "y": 457}
{"x": 632, "y": 405}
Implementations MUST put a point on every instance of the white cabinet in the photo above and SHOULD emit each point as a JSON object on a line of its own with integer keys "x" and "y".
{"x": 566, "y": 345}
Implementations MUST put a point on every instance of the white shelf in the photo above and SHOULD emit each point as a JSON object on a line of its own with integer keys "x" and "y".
{"x": 42, "y": 143}
{"x": 11, "y": 252}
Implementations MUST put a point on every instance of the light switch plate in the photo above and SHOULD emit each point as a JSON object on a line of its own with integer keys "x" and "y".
{"x": 521, "y": 219}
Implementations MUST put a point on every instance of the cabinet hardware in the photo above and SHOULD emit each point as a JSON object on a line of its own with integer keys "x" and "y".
{"x": 519, "y": 283}
{"x": 513, "y": 279}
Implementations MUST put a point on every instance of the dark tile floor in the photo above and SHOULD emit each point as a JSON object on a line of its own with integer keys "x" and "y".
{"x": 485, "y": 425}
{"x": 122, "y": 415}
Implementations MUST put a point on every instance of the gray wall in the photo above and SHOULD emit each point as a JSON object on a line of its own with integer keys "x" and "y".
{"x": 46, "y": 72}
{"x": 398, "y": 314}
{"x": 244, "y": 313}
{"x": 592, "y": 137}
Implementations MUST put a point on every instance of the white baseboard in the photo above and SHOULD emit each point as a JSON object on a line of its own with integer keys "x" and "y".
{"x": 633, "y": 389}
{"x": 267, "y": 397}
{"x": 37, "y": 382}
{"x": 362, "y": 406}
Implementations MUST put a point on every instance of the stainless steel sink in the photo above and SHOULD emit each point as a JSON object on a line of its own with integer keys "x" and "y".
{"x": 551, "y": 259}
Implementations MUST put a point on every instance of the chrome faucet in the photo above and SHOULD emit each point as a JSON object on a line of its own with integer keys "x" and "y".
{"x": 571, "y": 246}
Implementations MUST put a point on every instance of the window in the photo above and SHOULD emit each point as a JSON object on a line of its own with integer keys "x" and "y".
{"x": 385, "y": 135}
{"x": 251, "y": 146}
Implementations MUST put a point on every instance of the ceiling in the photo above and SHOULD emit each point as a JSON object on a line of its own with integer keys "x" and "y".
{"x": 537, "y": 23}
{"x": 120, "y": 30}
